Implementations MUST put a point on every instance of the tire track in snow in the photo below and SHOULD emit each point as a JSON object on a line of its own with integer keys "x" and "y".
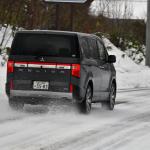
{"x": 117, "y": 135}
{"x": 93, "y": 136}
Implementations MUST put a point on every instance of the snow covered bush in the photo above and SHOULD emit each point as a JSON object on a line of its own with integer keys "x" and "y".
{"x": 132, "y": 48}
{"x": 136, "y": 52}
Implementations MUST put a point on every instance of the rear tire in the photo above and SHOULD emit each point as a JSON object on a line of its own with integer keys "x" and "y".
{"x": 86, "y": 104}
{"x": 112, "y": 96}
{"x": 15, "y": 104}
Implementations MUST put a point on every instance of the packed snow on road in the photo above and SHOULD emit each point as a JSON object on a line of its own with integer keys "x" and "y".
{"x": 60, "y": 126}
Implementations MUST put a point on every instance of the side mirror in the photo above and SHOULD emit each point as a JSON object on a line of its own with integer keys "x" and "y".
{"x": 111, "y": 59}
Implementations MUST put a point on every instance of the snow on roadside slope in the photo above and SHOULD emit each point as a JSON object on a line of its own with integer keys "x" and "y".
{"x": 2, "y": 76}
{"x": 129, "y": 74}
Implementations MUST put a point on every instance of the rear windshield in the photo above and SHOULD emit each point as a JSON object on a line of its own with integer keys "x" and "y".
{"x": 51, "y": 45}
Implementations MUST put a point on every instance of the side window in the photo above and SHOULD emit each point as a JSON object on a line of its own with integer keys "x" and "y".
{"x": 93, "y": 48}
{"x": 101, "y": 50}
{"x": 85, "y": 47}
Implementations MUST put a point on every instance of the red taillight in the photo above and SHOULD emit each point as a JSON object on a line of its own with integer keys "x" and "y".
{"x": 10, "y": 66}
{"x": 76, "y": 70}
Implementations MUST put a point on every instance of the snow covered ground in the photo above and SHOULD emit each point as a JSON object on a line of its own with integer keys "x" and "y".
{"x": 60, "y": 126}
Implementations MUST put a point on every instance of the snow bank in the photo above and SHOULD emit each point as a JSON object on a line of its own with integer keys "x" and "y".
{"x": 129, "y": 74}
{"x": 2, "y": 77}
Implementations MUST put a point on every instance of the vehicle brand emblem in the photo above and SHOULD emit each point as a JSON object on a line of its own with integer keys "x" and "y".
{"x": 42, "y": 59}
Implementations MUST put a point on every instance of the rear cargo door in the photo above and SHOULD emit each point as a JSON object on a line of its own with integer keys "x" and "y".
{"x": 43, "y": 62}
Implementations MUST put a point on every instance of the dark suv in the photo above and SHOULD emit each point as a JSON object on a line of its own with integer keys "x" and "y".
{"x": 43, "y": 64}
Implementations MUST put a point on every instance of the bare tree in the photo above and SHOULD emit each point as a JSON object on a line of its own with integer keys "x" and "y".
{"x": 99, "y": 7}
{"x": 112, "y": 8}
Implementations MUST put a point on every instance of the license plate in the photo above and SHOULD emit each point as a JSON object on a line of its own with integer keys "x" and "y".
{"x": 40, "y": 85}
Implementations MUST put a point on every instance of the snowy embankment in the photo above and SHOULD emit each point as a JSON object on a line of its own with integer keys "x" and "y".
{"x": 2, "y": 75}
{"x": 129, "y": 74}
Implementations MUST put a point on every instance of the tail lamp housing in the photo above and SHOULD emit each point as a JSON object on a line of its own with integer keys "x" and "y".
{"x": 76, "y": 70}
{"x": 10, "y": 66}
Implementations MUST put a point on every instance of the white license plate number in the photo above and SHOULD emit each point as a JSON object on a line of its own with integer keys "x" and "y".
{"x": 39, "y": 85}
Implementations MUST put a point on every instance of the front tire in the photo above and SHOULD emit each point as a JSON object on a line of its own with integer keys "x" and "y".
{"x": 112, "y": 97}
{"x": 86, "y": 104}
{"x": 15, "y": 104}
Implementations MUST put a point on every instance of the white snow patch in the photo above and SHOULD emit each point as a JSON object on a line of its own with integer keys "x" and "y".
{"x": 7, "y": 33}
{"x": 129, "y": 74}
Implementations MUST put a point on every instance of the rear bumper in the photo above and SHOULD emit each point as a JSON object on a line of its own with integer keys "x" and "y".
{"x": 39, "y": 94}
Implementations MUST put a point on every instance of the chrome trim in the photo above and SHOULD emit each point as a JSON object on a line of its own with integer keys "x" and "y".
{"x": 49, "y": 66}
{"x": 63, "y": 67}
{"x": 34, "y": 66}
{"x": 20, "y": 65}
